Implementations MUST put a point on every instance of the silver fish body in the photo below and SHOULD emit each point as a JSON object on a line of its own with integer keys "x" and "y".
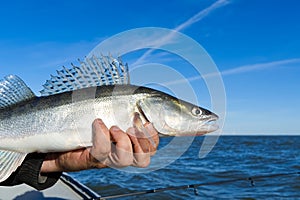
{"x": 61, "y": 119}
{"x": 62, "y": 122}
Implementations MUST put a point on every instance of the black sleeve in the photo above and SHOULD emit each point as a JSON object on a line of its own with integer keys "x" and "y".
{"x": 29, "y": 173}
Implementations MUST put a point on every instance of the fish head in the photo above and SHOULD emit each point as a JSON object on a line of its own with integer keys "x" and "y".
{"x": 174, "y": 117}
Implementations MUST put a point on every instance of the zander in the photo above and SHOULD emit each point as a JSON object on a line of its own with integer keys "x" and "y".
{"x": 60, "y": 120}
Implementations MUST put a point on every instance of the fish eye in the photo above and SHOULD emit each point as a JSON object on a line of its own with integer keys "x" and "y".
{"x": 196, "y": 111}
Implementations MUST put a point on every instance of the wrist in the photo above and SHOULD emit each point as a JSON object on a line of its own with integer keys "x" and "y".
{"x": 50, "y": 164}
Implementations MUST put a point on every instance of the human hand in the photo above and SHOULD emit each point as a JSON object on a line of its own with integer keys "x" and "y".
{"x": 111, "y": 148}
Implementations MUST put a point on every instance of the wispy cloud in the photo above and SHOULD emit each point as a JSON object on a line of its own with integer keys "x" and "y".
{"x": 200, "y": 15}
{"x": 241, "y": 69}
{"x": 194, "y": 19}
{"x": 259, "y": 66}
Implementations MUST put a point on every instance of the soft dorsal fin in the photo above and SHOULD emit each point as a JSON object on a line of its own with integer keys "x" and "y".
{"x": 13, "y": 90}
{"x": 94, "y": 71}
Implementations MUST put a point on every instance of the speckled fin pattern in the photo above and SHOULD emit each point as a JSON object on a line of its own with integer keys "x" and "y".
{"x": 94, "y": 71}
{"x": 13, "y": 90}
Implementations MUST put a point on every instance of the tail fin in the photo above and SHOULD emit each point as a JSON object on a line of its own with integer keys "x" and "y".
{"x": 9, "y": 162}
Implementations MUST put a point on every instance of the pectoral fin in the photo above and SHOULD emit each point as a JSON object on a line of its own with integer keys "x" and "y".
{"x": 9, "y": 162}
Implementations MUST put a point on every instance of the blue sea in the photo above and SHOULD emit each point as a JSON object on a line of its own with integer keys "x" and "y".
{"x": 233, "y": 159}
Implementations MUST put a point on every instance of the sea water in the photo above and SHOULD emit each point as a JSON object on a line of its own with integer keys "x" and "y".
{"x": 232, "y": 158}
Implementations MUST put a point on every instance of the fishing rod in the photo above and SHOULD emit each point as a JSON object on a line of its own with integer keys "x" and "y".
{"x": 195, "y": 186}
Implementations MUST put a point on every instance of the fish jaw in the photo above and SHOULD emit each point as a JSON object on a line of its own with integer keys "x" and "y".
{"x": 208, "y": 127}
{"x": 173, "y": 117}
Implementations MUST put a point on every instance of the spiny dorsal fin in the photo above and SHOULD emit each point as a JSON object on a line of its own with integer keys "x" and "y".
{"x": 13, "y": 90}
{"x": 94, "y": 71}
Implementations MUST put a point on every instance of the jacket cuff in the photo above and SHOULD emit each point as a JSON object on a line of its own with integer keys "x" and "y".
{"x": 29, "y": 173}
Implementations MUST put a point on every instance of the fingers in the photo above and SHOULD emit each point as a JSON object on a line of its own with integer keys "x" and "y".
{"x": 101, "y": 141}
{"x": 138, "y": 124}
{"x": 141, "y": 148}
{"x": 115, "y": 148}
{"x": 154, "y": 135}
{"x": 122, "y": 152}
{"x": 145, "y": 141}
{"x": 146, "y": 131}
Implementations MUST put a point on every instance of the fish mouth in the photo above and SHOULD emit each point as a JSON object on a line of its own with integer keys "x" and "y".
{"x": 212, "y": 120}
{"x": 207, "y": 127}
{"x": 211, "y": 125}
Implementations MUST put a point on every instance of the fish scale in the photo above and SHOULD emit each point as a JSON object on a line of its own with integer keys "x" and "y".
{"x": 61, "y": 119}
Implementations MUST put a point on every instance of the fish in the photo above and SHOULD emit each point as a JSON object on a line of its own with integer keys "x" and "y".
{"x": 61, "y": 118}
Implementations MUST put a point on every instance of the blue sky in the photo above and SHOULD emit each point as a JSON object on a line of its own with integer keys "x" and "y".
{"x": 255, "y": 45}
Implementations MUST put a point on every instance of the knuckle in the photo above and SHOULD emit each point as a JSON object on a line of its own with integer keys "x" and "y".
{"x": 152, "y": 152}
{"x": 100, "y": 156}
{"x": 98, "y": 121}
{"x": 126, "y": 161}
{"x": 102, "y": 153}
{"x": 105, "y": 153}
{"x": 131, "y": 131}
{"x": 127, "y": 147}
{"x": 145, "y": 163}
{"x": 125, "y": 144}
{"x": 115, "y": 129}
